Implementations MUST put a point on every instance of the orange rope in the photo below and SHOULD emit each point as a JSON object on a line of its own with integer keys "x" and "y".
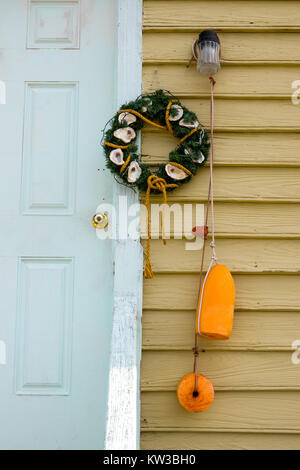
{"x": 160, "y": 184}
{"x": 123, "y": 167}
{"x": 170, "y": 129}
{"x": 181, "y": 167}
{"x": 188, "y": 135}
{"x": 132, "y": 111}
{"x": 114, "y": 146}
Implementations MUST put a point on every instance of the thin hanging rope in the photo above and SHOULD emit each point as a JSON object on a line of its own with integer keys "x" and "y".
{"x": 210, "y": 203}
{"x": 212, "y": 117}
{"x": 196, "y": 348}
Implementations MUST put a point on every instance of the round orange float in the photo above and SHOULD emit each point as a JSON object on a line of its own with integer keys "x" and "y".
{"x": 195, "y": 400}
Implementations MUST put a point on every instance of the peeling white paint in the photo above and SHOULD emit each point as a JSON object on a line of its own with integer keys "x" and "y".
{"x": 122, "y": 407}
{"x": 123, "y": 428}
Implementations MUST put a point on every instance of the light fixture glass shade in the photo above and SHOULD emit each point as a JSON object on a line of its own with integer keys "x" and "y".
{"x": 207, "y": 53}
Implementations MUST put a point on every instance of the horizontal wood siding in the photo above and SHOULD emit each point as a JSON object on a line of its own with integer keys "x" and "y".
{"x": 235, "y": 147}
{"x": 171, "y": 47}
{"x": 223, "y": 15}
{"x": 257, "y": 191}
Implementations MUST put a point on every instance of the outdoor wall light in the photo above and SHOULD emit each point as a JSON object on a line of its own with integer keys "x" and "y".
{"x": 206, "y": 51}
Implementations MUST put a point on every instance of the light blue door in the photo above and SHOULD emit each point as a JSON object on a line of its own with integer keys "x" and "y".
{"x": 57, "y": 65}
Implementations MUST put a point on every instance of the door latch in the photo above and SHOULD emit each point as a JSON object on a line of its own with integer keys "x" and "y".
{"x": 100, "y": 220}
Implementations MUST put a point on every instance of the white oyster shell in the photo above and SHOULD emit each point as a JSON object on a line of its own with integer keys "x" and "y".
{"x": 127, "y": 117}
{"x": 134, "y": 172}
{"x": 200, "y": 157}
{"x": 126, "y": 134}
{"x": 148, "y": 102}
{"x": 191, "y": 124}
{"x": 116, "y": 156}
{"x": 175, "y": 173}
{"x": 179, "y": 113}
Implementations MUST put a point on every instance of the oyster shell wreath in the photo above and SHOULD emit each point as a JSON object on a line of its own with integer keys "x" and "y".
{"x": 163, "y": 111}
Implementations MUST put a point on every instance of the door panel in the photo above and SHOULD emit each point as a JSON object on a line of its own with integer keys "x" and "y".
{"x": 57, "y": 62}
{"x": 48, "y": 185}
{"x": 44, "y": 323}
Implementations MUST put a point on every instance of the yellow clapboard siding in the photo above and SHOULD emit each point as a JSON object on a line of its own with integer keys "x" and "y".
{"x": 244, "y": 255}
{"x": 259, "y": 411}
{"x": 236, "y": 220}
{"x": 161, "y": 370}
{"x": 265, "y": 47}
{"x": 257, "y": 144}
{"x": 221, "y": 14}
{"x": 273, "y": 149}
{"x": 241, "y": 113}
{"x": 253, "y": 292}
{"x": 251, "y": 331}
{"x": 268, "y": 80}
{"x": 218, "y": 441}
{"x": 273, "y": 184}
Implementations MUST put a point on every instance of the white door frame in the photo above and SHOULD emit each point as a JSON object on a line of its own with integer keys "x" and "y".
{"x": 123, "y": 410}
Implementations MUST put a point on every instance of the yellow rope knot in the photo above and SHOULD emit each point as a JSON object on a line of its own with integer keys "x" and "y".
{"x": 154, "y": 182}
{"x": 159, "y": 184}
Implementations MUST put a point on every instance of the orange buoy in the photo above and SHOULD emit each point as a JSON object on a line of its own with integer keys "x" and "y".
{"x": 215, "y": 308}
{"x": 195, "y": 400}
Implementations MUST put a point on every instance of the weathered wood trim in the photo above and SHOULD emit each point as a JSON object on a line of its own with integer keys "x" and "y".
{"x": 123, "y": 416}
